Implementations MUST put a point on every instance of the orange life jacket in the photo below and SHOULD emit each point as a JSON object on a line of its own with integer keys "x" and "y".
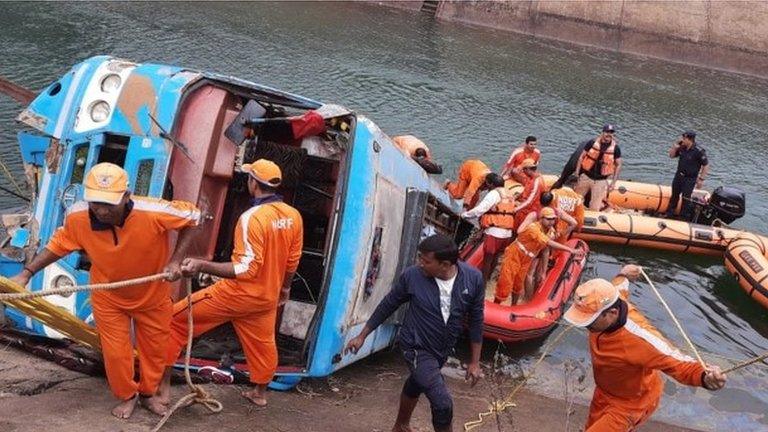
{"x": 502, "y": 214}
{"x": 591, "y": 157}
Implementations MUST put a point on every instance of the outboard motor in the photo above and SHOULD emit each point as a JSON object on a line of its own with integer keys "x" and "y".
{"x": 725, "y": 205}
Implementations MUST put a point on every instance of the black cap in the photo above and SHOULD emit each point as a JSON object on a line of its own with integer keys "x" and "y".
{"x": 690, "y": 134}
{"x": 609, "y": 128}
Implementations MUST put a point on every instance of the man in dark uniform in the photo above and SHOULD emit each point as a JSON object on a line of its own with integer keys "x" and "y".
{"x": 441, "y": 292}
{"x": 692, "y": 168}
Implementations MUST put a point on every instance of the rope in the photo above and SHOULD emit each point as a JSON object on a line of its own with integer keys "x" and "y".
{"x": 197, "y": 394}
{"x": 746, "y": 363}
{"x": 10, "y": 177}
{"x": 498, "y": 406}
{"x": 677, "y": 323}
{"x": 78, "y": 288}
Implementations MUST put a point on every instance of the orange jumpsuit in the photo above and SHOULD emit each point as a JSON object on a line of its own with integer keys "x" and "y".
{"x": 530, "y": 198}
{"x": 140, "y": 247}
{"x": 268, "y": 243}
{"x": 625, "y": 364}
{"x": 517, "y": 260}
{"x": 409, "y": 144}
{"x": 471, "y": 177}
{"x": 516, "y": 158}
{"x": 572, "y": 203}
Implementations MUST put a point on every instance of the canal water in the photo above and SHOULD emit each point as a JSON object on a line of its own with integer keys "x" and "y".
{"x": 469, "y": 93}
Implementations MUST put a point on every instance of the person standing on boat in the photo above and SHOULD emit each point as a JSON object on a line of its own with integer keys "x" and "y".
{"x": 497, "y": 218}
{"x": 692, "y": 169}
{"x": 626, "y": 360}
{"x": 531, "y": 240}
{"x": 571, "y": 203}
{"x": 442, "y": 293}
{"x": 472, "y": 179}
{"x": 267, "y": 248}
{"x": 125, "y": 237}
{"x": 598, "y": 167}
{"x": 512, "y": 169}
{"x": 530, "y": 198}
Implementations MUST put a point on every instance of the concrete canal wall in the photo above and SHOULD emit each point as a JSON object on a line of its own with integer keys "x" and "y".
{"x": 725, "y": 35}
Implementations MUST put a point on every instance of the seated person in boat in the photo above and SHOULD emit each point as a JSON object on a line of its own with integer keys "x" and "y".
{"x": 518, "y": 256}
{"x": 513, "y": 169}
{"x": 627, "y": 358}
{"x": 472, "y": 179}
{"x": 529, "y": 200}
{"x": 598, "y": 167}
{"x": 497, "y": 218}
{"x": 419, "y": 152}
{"x": 559, "y": 233}
{"x": 125, "y": 237}
{"x": 692, "y": 169}
{"x": 267, "y": 247}
{"x": 442, "y": 293}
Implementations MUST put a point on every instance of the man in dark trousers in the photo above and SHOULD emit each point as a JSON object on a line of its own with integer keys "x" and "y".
{"x": 441, "y": 292}
{"x": 692, "y": 168}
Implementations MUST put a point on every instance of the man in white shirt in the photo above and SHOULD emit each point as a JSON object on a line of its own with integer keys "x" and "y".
{"x": 497, "y": 218}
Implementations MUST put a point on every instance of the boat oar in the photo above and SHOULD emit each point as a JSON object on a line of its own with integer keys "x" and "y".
{"x": 677, "y": 323}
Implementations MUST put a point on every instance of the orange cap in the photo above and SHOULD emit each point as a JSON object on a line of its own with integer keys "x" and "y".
{"x": 591, "y": 299}
{"x": 105, "y": 183}
{"x": 547, "y": 213}
{"x": 264, "y": 171}
{"x": 528, "y": 163}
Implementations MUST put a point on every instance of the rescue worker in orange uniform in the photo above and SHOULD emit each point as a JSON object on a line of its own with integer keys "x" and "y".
{"x": 571, "y": 203}
{"x": 125, "y": 237}
{"x": 530, "y": 198}
{"x": 540, "y": 264}
{"x": 600, "y": 160}
{"x": 419, "y": 152}
{"x": 626, "y": 358}
{"x": 518, "y": 256}
{"x": 497, "y": 220}
{"x": 267, "y": 248}
{"x": 473, "y": 176}
{"x": 630, "y": 273}
{"x": 512, "y": 168}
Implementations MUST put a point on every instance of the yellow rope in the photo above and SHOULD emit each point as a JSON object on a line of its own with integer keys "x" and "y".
{"x": 677, "y": 323}
{"x": 197, "y": 394}
{"x": 747, "y": 363}
{"x": 500, "y": 405}
{"x": 10, "y": 177}
{"x": 78, "y": 288}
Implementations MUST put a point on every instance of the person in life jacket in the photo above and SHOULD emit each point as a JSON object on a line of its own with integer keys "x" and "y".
{"x": 268, "y": 241}
{"x": 540, "y": 264}
{"x": 567, "y": 200}
{"x": 497, "y": 218}
{"x": 512, "y": 168}
{"x": 519, "y": 255}
{"x": 598, "y": 167}
{"x": 125, "y": 237}
{"x": 419, "y": 152}
{"x": 529, "y": 200}
{"x": 472, "y": 179}
{"x": 626, "y": 360}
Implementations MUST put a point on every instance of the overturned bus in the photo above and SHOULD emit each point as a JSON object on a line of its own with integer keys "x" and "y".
{"x": 183, "y": 134}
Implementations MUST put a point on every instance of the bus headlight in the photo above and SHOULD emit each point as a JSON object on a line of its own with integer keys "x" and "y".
{"x": 99, "y": 111}
{"x": 63, "y": 281}
{"x": 111, "y": 83}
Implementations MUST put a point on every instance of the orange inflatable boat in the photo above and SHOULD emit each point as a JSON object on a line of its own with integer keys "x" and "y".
{"x": 536, "y": 318}
{"x": 630, "y": 222}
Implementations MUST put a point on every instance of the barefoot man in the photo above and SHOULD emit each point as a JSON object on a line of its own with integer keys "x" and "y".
{"x": 268, "y": 241}
{"x": 125, "y": 237}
